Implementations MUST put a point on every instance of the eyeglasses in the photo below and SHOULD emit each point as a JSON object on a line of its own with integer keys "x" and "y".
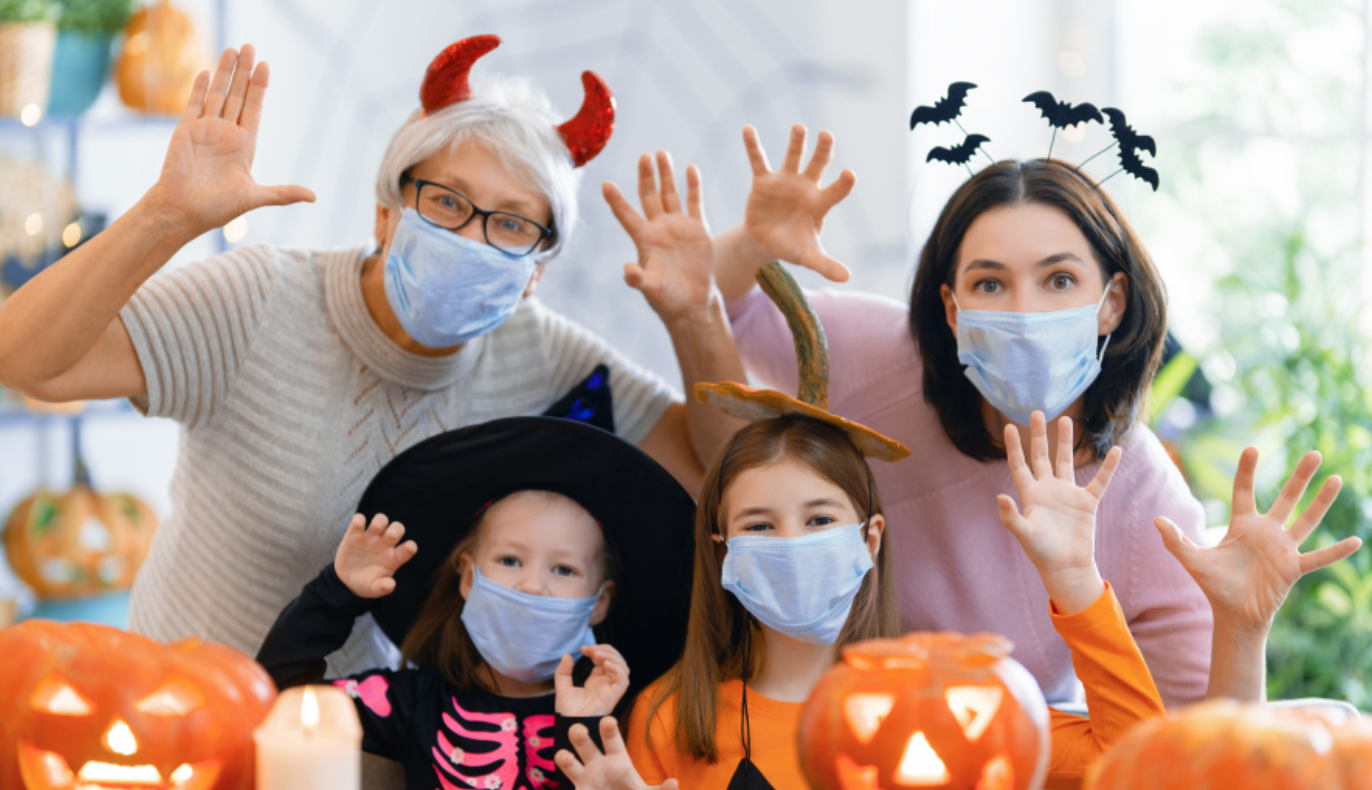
{"x": 451, "y": 210}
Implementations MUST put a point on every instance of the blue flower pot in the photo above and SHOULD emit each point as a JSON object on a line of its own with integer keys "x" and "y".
{"x": 79, "y": 69}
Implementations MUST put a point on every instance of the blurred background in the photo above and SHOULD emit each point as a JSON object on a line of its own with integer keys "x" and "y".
{"x": 1260, "y": 110}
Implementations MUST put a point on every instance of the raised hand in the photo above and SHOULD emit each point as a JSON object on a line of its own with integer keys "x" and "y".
{"x": 206, "y": 177}
{"x": 1058, "y": 526}
{"x": 1248, "y": 575}
{"x": 786, "y": 207}
{"x": 610, "y": 770}
{"x": 603, "y": 688}
{"x": 369, "y": 555}
{"x": 675, "y": 269}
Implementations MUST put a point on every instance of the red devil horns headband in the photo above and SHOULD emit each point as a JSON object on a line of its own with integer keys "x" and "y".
{"x": 585, "y": 134}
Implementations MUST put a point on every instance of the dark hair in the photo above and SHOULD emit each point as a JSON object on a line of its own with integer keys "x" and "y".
{"x": 714, "y": 635}
{"x": 1113, "y": 401}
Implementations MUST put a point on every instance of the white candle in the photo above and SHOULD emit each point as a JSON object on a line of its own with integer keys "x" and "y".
{"x": 311, "y": 740}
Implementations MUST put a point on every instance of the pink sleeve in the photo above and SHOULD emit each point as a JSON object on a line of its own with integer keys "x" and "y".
{"x": 1167, "y": 613}
{"x": 764, "y": 341}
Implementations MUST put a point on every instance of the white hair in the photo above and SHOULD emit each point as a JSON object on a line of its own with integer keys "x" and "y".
{"x": 513, "y": 120}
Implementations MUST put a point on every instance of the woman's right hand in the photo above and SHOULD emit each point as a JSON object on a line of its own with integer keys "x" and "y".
{"x": 206, "y": 178}
{"x": 369, "y": 555}
{"x": 610, "y": 770}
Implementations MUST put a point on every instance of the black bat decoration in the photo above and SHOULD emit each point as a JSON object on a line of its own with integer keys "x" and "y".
{"x": 1130, "y": 142}
{"x": 945, "y": 109}
{"x": 1062, "y": 114}
{"x": 958, "y": 154}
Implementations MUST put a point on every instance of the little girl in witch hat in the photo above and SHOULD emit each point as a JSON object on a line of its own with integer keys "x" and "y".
{"x": 525, "y": 541}
{"x": 792, "y": 564}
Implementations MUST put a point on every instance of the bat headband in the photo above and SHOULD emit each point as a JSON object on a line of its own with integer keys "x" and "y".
{"x": 1059, "y": 115}
{"x": 445, "y": 83}
{"x": 812, "y": 352}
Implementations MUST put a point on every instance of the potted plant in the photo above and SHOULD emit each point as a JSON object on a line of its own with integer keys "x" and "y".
{"x": 85, "y": 35}
{"x": 27, "y": 39}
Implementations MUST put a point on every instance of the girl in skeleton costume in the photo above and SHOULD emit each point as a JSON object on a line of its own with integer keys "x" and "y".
{"x": 525, "y": 542}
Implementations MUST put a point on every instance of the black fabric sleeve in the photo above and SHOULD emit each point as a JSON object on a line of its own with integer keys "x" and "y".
{"x": 311, "y": 627}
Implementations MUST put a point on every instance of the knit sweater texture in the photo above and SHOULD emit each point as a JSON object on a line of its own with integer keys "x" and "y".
{"x": 290, "y": 399}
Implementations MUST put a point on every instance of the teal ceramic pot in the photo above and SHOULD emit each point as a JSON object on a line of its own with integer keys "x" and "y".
{"x": 79, "y": 70}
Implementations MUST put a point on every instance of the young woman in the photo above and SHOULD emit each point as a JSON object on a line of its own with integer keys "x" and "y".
{"x": 516, "y": 567}
{"x": 1031, "y": 292}
{"x": 795, "y": 482}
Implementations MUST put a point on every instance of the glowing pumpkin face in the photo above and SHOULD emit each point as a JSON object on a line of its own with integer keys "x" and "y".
{"x": 929, "y": 710}
{"x": 91, "y": 707}
{"x": 1225, "y": 744}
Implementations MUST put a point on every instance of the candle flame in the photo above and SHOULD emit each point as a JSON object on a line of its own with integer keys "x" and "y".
{"x": 309, "y": 711}
{"x": 120, "y": 739}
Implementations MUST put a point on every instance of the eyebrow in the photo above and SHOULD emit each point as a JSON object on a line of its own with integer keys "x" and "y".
{"x": 520, "y": 206}
{"x": 982, "y": 263}
{"x": 766, "y": 511}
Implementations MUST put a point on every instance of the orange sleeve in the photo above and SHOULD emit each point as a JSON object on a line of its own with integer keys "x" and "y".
{"x": 1119, "y": 689}
{"x": 650, "y": 762}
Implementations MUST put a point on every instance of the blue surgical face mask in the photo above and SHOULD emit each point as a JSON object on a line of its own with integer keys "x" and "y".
{"x": 803, "y": 587}
{"x": 524, "y": 636}
{"x": 447, "y": 289}
{"x": 1021, "y": 362}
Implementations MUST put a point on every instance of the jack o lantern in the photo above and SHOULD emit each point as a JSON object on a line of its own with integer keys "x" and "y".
{"x": 928, "y": 710}
{"x": 89, "y": 707}
{"x": 1225, "y": 744}
{"x": 162, "y": 55}
{"x": 78, "y": 543}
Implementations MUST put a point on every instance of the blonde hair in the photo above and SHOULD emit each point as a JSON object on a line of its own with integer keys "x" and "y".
{"x": 516, "y": 122}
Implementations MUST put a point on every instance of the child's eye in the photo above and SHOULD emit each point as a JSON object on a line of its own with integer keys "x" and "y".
{"x": 565, "y": 570}
{"x": 821, "y": 521}
{"x": 759, "y": 527}
{"x": 508, "y": 562}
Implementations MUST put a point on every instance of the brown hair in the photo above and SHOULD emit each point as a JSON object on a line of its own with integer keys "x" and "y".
{"x": 1114, "y": 399}
{"x": 714, "y": 636}
{"x": 438, "y": 637}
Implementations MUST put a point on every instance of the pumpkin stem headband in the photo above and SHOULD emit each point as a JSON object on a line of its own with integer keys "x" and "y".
{"x": 812, "y": 354}
{"x": 445, "y": 83}
{"x": 1059, "y": 114}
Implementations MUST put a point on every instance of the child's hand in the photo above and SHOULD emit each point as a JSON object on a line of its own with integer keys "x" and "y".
{"x": 604, "y": 688}
{"x": 1058, "y": 527}
{"x": 1247, "y": 576}
{"x": 675, "y": 269}
{"x": 612, "y": 770}
{"x": 786, "y": 208}
{"x": 369, "y": 555}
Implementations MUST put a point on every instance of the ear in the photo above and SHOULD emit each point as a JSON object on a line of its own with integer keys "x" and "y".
{"x": 875, "y": 530}
{"x": 602, "y": 605}
{"x": 464, "y": 570}
{"x": 1112, "y": 311}
{"x": 950, "y": 310}
{"x": 533, "y": 281}
{"x": 384, "y": 228}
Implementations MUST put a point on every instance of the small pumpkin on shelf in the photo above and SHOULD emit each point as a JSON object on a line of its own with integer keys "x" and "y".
{"x": 163, "y": 53}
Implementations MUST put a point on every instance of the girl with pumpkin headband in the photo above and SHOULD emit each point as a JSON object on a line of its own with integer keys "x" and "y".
{"x": 297, "y": 374}
{"x": 526, "y": 541}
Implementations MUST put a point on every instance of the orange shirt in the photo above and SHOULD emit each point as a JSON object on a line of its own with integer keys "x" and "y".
{"x": 1119, "y": 693}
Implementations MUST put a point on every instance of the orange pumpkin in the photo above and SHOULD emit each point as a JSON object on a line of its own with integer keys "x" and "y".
{"x": 1225, "y": 744}
{"x": 162, "y": 55}
{"x": 929, "y": 710}
{"x": 80, "y": 542}
{"x": 92, "y": 707}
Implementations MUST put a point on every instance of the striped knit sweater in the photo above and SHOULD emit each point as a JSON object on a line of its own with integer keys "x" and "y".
{"x": 290, "y": 399}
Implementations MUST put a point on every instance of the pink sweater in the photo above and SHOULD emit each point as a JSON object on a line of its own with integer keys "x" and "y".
{"x": 957, "y": 567}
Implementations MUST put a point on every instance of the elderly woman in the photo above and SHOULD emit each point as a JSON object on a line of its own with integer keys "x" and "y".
{"x": 296, "y": 374}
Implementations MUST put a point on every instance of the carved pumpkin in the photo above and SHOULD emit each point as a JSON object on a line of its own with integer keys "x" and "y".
{"x": 929, "y": 710}
{"x": 162, "y": 54}
{"x": 78, "y": 543}
{"x": 1225, "y": 744}
{"x": 93, "y": 707}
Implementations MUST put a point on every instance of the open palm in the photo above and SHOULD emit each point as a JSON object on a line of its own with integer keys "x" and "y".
{"x": 675, "y": 268}
{"x": 786, "y": 207}
{"x": 369, "y": 555}
{"x": 1248, "y": 575}
{"x": 592, "y": 769}
{"x": 206, "y": 176}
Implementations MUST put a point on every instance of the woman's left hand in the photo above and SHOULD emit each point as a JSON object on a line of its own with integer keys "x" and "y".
{"x": 603, "y": 689}
{"x": 675, "y": 269}
{"x": 1058, "y": 527}
{"x": 1247, "y": 576}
